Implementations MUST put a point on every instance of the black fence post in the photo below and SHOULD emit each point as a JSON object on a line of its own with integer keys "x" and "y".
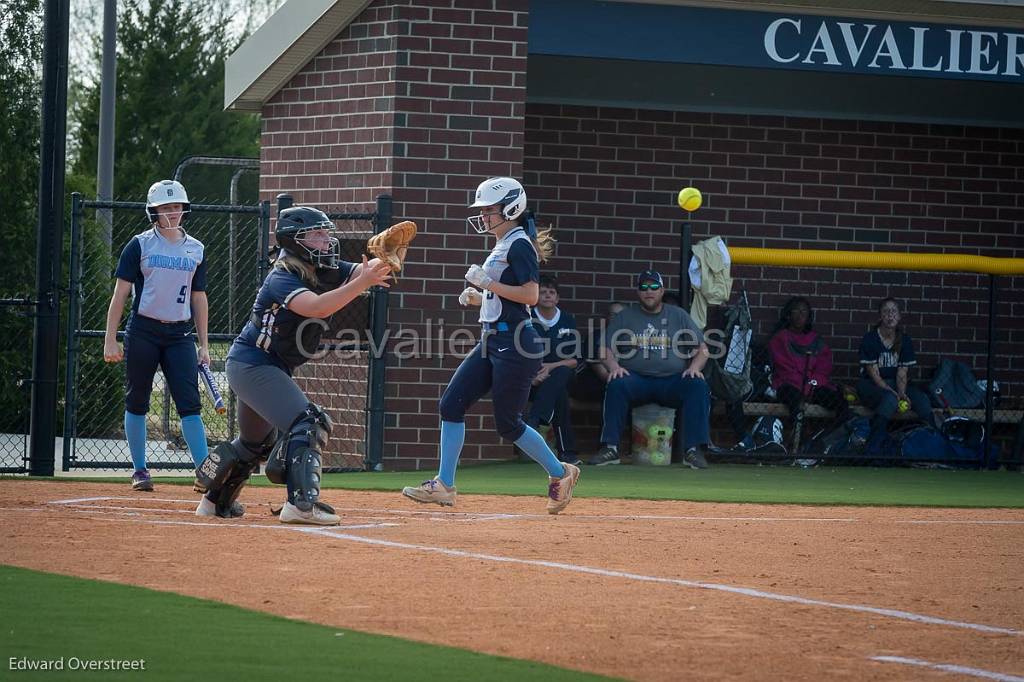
{"x": 49, "y": 238}
{"x": 375, "y": 381}
{"x": 684, "y": 265}
{"x": 990, "y": 461}
{"x": 284, "y": 201}
{"x": 74, "y": 294}
{"x": 264, "y": 242}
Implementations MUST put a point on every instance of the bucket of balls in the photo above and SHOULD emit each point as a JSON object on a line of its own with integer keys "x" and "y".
{"x": 652, "y": 435}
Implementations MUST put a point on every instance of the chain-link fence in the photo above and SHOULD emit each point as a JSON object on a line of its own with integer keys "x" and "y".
{"x": 337, "y": 380}
{"x": 15, "y": 388}
{"x": 235, "y": 240}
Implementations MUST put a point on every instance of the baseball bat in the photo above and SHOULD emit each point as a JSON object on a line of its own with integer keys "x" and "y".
{"x": 211, "y": 388}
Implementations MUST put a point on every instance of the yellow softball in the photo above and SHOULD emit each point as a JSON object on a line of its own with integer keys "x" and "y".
{"x": 689, "y": 199}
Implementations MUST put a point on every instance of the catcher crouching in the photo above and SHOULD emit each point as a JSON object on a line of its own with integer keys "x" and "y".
{"x": 277, "y": 423}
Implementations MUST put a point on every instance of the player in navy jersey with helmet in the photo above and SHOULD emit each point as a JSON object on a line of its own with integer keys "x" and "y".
{"x": 164, "y": 270}
{"x": 306, "y": 286}
{"x": 509, "y": 354}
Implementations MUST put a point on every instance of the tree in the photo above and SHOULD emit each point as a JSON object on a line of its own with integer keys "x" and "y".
{"x": 170, "y": 94}
{"x": 21, "y": 51}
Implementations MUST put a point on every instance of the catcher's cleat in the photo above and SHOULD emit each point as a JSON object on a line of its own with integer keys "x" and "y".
{"x": 392, "y": 244}
{"x": 321, "y": 514}
{"x": 560, "y": 489}
{"x": 432, "y": 491}
{"x": 208, "y": 508}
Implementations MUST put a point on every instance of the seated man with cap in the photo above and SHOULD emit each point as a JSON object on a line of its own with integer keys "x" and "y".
{"x": 654, "y": 354}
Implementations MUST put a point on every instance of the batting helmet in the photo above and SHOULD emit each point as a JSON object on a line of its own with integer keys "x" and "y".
{"x": 507, "y": 193}
{"x": 166, "y": 192}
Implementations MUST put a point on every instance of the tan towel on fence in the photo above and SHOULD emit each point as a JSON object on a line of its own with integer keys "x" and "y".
{"x": 709, "y": 277}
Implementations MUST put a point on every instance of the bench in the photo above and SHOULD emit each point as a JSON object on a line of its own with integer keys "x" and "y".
{"x": 587, "y": 415}
{"x": 818, "y": 412}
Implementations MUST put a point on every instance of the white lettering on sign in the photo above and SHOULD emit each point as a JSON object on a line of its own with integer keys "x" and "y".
{"x": 853, "y": 45}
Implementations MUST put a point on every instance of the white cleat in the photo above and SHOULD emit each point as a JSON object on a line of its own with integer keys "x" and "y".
{"x": 206, "y": 508}
{"x": 431, "y": 492}
{"x": 320, "y": 515}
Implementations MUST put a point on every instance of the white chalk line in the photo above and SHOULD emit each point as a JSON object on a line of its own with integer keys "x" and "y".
{"x": 950, "y": 668}
{"x": 489, "y": 516}
{"x": 576, "y": 568}
{"x": 890, "y": 613}
{"x": 228, "y": 524}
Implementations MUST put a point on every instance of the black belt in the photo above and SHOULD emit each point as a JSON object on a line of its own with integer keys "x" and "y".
{"x": 495, "y": 326}
{"x": 153, "y": 319}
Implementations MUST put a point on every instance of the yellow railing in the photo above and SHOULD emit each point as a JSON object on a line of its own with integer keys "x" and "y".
{"x": 877, "y": 260}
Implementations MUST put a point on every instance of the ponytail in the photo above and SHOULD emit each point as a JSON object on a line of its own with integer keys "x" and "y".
{"x": 298, "y": 267}
{"x": 543, "y": 241}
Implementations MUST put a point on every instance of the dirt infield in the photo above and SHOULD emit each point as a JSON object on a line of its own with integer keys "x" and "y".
{"x": 634, "y": 589}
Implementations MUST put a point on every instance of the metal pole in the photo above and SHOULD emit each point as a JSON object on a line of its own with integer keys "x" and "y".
{"x": 108, "y": 93}
{"x": 232, "y": 246}
{"x": 74, "y": 300}
{"x": 989, "y": 461}
{"x": 284, "y": 201}
{"x": 243, "y": 161}
{"x": 684, "y": 264}
{"x": 264, "y": 241}
{"x": 49, "y": 237}
{"x": 375, "y": 385}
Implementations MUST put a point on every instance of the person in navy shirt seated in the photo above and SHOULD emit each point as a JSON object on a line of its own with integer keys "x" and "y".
{"x": 549, "y": 392}
{"x": 886, "y": 356}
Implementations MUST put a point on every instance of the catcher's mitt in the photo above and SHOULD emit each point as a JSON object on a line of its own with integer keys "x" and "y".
{"x": 391, "y": 244}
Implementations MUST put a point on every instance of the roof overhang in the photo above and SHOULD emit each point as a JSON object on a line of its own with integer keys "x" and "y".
{"x": 300, "y": 29}
{"x": 282, "y": 47}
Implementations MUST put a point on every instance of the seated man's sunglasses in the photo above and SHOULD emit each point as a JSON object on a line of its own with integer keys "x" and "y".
{"x": 652, "y": 287}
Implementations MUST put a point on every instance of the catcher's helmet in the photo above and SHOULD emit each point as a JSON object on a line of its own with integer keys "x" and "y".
{"x": 294, "y": 224}
{"x": 507, "y": 193}
{"x": 166, "y": 192}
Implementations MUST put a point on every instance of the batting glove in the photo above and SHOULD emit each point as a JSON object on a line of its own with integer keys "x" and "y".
{"x": 476, "y": 275}
{"x": 470, "y": 296}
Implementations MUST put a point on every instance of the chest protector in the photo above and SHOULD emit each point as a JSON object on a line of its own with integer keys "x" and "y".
{"x": 288, "y": 335}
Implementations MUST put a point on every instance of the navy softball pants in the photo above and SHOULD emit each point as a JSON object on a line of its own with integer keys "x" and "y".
{"x": 501, "y": 364}
{"x": 551, "y": 406}
{"x": 149, "y": 344}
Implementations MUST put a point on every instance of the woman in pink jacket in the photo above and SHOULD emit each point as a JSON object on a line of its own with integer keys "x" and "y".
{"x": 802, "y": 363}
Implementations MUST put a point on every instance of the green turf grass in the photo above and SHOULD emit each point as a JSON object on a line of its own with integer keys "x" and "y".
{"x": 720, "y": 483}
{"x": 49, "y": 617}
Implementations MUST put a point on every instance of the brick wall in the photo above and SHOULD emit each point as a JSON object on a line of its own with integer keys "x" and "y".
{"x": 420, "y": 99}
{"x": 607, "y": 179}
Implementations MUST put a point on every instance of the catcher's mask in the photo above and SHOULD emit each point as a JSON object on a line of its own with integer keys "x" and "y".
{"x": 309, "y": 234}
{"x": 505, "y": 193}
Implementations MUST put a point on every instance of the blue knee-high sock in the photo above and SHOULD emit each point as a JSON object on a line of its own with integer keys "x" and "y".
{"x": 195, "y": 435}
{"x": 453, "y": 435}
{"x": 135, "y": 434}
{"x": 532, "y": 443}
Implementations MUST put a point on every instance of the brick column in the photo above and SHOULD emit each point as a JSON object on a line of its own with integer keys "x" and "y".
{"x": 421, "y": 100}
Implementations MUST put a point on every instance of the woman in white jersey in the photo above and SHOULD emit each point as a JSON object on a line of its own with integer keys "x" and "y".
{"x": 509, "y": 354}
{"x": 164, "y": 270}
